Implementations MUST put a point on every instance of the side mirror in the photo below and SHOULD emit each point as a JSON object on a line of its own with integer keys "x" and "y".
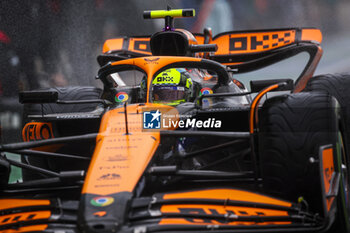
{"x": 259, "y": 85}
{"x": 203, "y": 48}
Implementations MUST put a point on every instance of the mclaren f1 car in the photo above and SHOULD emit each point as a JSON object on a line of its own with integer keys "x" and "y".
{"x": 186, "y": 137}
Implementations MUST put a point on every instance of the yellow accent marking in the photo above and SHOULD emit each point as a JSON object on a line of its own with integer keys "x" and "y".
{"x": 171, "y": 13}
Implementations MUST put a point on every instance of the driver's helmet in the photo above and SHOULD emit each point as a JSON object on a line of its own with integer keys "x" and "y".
{"x": 172, "y": 87}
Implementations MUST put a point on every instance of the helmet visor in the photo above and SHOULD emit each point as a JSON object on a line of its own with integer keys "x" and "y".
{"x": 168, "y": 93}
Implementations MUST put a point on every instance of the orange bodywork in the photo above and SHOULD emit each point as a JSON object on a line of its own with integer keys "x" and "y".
{"x": 125, "y": 156}
{"x": 182, "y": 221}
{"x": 255, "y": 103}
{"x": 120, "y": 159}
{"x": 222, "y": 210}
{"x": 15, "y": 203}
{"x": 328, "y": 170}
{"x": 228, "y": 194}
{"x": 35, "y": 228}
{"x": 199, "y": 38}
{"x": 229, "y": 43}
{"x": 215, "y": 210}
{"x": 113, "y": 45}
{"x": 252, "y": 42}
{"x": 134, "y": 44}
{"x": 150, "y": 66}
{"x": 24, "y": 217}
{"x": 13, "y": 218}
{"x": 311, "y": 34}
{"x": 256, "y": 42}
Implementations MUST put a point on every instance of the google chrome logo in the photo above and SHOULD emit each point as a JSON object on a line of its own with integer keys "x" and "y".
{"x": 102, "y": 201}
{"x": 206, "y": 91}
{"x": 121, "y": 97}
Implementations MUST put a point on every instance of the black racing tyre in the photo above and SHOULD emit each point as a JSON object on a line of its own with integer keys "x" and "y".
{"x": 291, "y": 130}
{"x": 66, "y": 93}
{"x": 338, "y": 85}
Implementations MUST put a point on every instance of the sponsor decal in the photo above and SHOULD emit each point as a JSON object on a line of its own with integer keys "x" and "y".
{"x": 206, "y": 91}
{"x": 100, "y": 214}
{"x": 109, "y": 176}
{"x": 165, "y": 79}
{"x": 102, "y": 201}
{"x": 257, "y": 42}
{"x": 119, "y": 157}
{"x": 113, "y": 167}
{"x": 121, "y": 97}
{"x": 37, "y": 131}
{"x": 151, "y": 60}
{"x": 106, "y": 185}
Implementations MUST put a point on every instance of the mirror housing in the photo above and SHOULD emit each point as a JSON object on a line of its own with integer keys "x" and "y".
{"x": 259, "y": 85}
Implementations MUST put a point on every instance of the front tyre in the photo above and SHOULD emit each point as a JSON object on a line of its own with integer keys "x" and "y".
{"x": 292, "y": 129}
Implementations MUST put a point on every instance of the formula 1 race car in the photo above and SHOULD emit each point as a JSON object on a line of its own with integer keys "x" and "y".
{"x": 186, "y": 137}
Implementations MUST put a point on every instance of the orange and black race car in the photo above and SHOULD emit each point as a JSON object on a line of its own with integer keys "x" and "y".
{"x": 187, "y": 136}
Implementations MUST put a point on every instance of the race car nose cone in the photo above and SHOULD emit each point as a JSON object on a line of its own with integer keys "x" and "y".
{"x": 102, "y": 214}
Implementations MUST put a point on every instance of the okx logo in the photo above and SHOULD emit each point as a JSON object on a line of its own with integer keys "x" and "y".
{"x": 152, "y": 119}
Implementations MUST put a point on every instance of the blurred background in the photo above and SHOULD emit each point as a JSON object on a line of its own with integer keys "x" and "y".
{"x": 45, "y": 43}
